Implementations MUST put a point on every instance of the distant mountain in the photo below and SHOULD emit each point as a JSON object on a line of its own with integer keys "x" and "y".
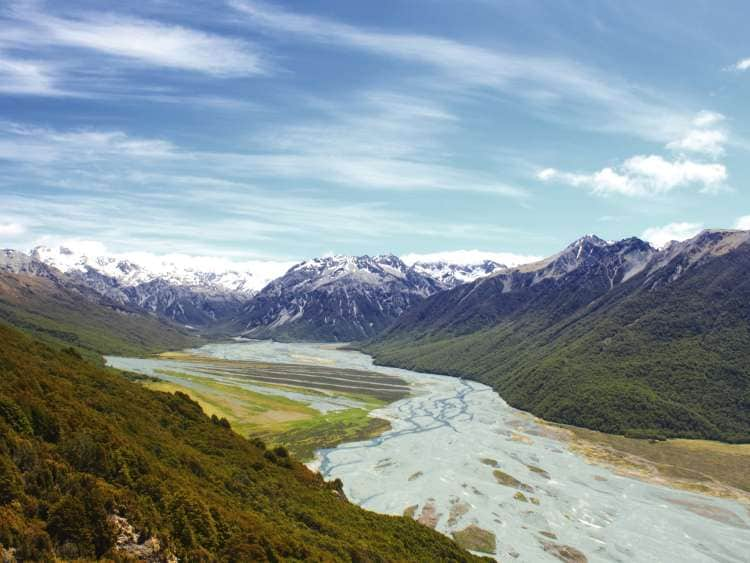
{"x": 211, "y": 297}
{"x": 616, "y": 336}
{"x": 338, "y": 298}
{"x": 62, "y": 311}
{"x": 175, "y": 290}
{"x": 451, "y": 275}
{"x": 180, "y": 271}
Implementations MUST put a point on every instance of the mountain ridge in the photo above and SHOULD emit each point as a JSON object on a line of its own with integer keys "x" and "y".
{"x": 662, "y": 332}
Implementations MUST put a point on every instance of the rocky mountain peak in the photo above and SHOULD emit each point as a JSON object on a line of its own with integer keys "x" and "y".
{"x": 16, "y": 262}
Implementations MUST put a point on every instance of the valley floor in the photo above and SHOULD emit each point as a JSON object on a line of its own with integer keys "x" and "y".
{"x": 303, "y": 406}
{"x": 702, "y": 466}
{"x": 456, "y": 458}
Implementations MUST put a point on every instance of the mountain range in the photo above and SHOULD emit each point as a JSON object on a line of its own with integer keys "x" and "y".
{"x": 330, "y": 298}
{"x": 612, "y": 335}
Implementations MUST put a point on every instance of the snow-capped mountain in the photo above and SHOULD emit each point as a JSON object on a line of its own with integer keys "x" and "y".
{"x": 16, "y": 262}
{"x": 133, "y": 269}
{"x": 194, "y": 291}
{"x": 336, "y": 298}
{"x": 450, "y": 275}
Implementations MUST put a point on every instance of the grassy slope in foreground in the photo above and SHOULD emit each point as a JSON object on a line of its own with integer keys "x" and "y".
{"x": 78, "y": 444}
{"x": 665, "y": 361}
{"x": 62, "y": 317}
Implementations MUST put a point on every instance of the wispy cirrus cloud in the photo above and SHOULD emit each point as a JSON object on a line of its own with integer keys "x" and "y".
{"x": 592, "y": 99}
{"x": 385, "y": 142}
{"x": 27, "y": 77}
{"x": 23, "y": 143}
{"x": 246, "y": 216}
{"x": 55, "y": 55}
{"x": 382, "y": 141}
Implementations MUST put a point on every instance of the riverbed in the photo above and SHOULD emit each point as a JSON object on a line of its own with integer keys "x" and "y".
{"x": 459, "y": 459}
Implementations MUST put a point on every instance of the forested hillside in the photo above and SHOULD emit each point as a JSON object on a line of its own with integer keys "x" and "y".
{"x": 95, "y": 466}
{"x": 655, "y": 350}
{"x": 64, "y": 316}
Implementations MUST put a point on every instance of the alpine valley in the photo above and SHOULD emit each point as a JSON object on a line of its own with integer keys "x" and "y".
{"x": 613, "y": 336}
{"x": 654, "y": 340}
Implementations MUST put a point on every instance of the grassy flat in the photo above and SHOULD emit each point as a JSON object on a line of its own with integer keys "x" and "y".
{"x": 277, "y": 420}
{"x": 702, "y": 466}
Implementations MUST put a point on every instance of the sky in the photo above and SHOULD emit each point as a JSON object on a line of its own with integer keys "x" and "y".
{"x": 288, "y": 130}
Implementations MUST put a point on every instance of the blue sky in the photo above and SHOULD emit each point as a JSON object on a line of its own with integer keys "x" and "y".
{"x": 286, "y": 130}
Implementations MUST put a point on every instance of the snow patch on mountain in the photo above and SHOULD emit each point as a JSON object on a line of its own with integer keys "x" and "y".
{"x": 470, "y": 258}
{"x": 135, "y": 268}
{"x": 451, "y": 275}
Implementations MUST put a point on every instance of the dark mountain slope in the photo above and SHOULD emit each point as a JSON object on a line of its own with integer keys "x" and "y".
{"x": 44, "y": 302}
{"x": 85, "y": 454}
{"x": 338, "y": 298}
{"x": 664, "y": 352}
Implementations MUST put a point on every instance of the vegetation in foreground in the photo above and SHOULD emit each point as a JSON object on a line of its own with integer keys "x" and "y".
{"x": 83, "y": 450}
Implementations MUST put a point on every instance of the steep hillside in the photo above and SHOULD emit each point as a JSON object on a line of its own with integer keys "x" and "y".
{"x": 44, "y": 302}
{"x": 94, "y": 466}
{"x": 615, "y": 337}
{"x": 338, "y": 298}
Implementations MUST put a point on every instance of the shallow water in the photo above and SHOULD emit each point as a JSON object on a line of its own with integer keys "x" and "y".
{"x": 438, "y": 456}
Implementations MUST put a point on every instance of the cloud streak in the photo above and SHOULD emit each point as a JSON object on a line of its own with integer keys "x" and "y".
{"x": 27, "y": 77}
{"x": 594, "y": 99}
{"x": 129, "y": 40}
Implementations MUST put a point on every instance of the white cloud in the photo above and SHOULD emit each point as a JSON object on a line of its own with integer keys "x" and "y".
{"x": 705, "y": 137}
{"x": 144, "y": 41}
{"x": 743, "y": 64}
{"x": 705, "y": 141}
{"x": 660, "y": 237}
{"x": 641, "y": 176}
{"x": 18, "y": 76}
{"x": 11, "y": 229}
{"x": 470, "y": 257}
{"x": 707, "y": 118}
{"x": 743, "y": 223}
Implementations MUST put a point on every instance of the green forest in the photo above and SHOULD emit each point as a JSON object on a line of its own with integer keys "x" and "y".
{"x": 667, "y": 358}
